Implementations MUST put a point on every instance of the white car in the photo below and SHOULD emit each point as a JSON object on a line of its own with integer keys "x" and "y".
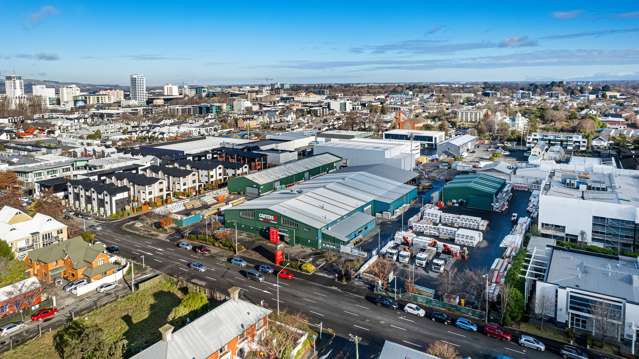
{"x": 532, "y": 343}
{"x": 106, "y": 287}
{"x": 11, "y": 328}
{"x": 414, "y": 309}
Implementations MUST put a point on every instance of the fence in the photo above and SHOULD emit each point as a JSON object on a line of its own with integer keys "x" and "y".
{"x": 91, "y": 287}
{"x": 435, "y": 303}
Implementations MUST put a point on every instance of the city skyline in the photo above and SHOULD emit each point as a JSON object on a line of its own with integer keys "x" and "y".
{"x": 320, "y": 42}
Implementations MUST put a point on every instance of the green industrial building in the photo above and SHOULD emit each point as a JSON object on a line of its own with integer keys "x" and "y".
{"x": 272, "y": 179}
{"x": 478, "y": 191}
{"x": 325, "y": 212}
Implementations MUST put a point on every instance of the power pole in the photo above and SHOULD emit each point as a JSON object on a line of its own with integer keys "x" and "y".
{"x": 235, "y": 237}
{"x": 132, "y": 277}
{"x": 356, "y": 339}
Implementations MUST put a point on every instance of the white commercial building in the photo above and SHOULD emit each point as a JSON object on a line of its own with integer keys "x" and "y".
{"x": 470, "y": 115}
{"x": 364, "y": 151}
{"x": 171, "y": 90}
{"x": 596, "y": 204}
{"x": 340, "y": 105}
{"x": 67, "y": 93}
{"x": 115, "y": 95}
{"x": 569, "y": 141}
{"x": 457, "y": 146}
{"x": 137, "y": 91}
{"x": 518, "y": 122}
{"x": 47, "y": 94}
{"x": 428, "y": 139}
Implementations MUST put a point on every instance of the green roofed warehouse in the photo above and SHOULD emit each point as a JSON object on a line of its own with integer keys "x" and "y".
{"x": 324, "y": 212}
{"x": 478, "y": 191}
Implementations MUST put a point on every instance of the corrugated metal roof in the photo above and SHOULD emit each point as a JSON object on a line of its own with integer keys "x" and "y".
{"x": 346, "y": 226}
{"x": 323, "y": 200}
{"x": 292, "y": 168}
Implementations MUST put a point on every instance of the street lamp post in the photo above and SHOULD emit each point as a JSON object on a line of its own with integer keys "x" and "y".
{"x": 277, "y": 286}
{"x": 486, "y": 294}
{"x": 142, "y": 256}
{"x": 235, "y": 238}
{"x": 355, "y": 339}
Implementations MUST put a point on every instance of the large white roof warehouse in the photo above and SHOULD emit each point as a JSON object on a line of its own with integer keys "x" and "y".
{"x": 291, "y": 168}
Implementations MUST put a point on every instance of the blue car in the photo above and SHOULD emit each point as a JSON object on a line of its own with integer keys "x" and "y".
{"x": 465, "y": 324}
{"x": 264, "y": 268}
{"x": 198, "y": 266}
{"x": 239, "y": 261}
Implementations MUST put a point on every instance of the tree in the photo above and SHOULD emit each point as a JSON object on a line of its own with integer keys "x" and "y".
{"x": 533, "y": 124}
{"x": 191, "y": 305}
{"x": 512, "y": 305}
{"x": 79, "y": 341}
{"x": 381, "y": 269}
{"x": 284, "y": 330}
{"x": 442, "y": 350}
{"x": 8, "y": 180}
{"x": 5, "y": 250}
{"x": 166, "y": 221}
{"x": 447, "y": 283}
{"x": 49, "y": 204}
{"x": 88, "y": 237}
{"x": 601, "y": 314}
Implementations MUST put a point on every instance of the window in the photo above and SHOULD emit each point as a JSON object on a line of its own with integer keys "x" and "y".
{"x": 247, "y": 214}
{"x": 553, "y": 227}
{"x": 288, "y": 222}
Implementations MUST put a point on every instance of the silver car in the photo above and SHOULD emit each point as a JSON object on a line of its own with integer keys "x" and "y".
{"x": 532, "y": 343}
{"x": 11, "y": 328}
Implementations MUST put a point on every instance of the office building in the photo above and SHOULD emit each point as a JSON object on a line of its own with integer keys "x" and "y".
{"x": 116, "y": 95}
{"x": 428, "y": 139}
{"x": 67, "y": 94}
{"x": 137, "y": 91}
{"x": 14, "y": 86}
{"x": 171, "y": 90}
{"x": 47, "y": 94}
{"x": 569, "y": 141}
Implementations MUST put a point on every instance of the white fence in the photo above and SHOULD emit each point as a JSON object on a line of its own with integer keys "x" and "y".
{"x": 91, "y": 287}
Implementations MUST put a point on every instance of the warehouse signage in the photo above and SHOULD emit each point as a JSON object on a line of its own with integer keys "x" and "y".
{"x": 265, "y": 217}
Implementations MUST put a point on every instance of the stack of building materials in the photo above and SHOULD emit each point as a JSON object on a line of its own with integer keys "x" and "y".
{"x": 425, "y": 228}
{"x": 468, "y": 237}
{"x": 446, "y": 232}
{"x": 463, "y": 221}
{"x": 515, "y": 238}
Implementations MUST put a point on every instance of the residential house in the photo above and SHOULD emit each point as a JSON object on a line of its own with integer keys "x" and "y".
{"x": 97, "y": 198}
{"x": 142, "y": 189}
{"x": 20, "y": 295}
{"x": 209, "y": 172}
{"x": 72, "y": 260}
{"x": 178, "y": 180}
{"x": 229, "y": 331}
{"x": 24, "y": 233}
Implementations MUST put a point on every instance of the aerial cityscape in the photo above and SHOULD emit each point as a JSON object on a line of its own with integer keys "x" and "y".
{"x": 318, "y": 180}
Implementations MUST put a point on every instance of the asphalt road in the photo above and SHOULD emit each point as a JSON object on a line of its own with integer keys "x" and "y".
{"x": 344, "y": 312}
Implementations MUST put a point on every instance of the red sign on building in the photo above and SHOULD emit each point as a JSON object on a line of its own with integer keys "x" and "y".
{"x": 274, "y": 235}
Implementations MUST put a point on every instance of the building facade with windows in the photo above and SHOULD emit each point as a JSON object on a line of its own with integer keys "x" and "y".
{"x": 97, "y": 198}
{"x": 137, "y": 90}
{"x": 24, "y": 233}
{"x": 428, "y": 139}
{"x": 569, "y": 141}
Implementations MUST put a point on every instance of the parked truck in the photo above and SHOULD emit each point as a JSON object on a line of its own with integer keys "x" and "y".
{"x": 438, "y": 265}
{"x": 391, "y": 253}
{"x": 424, "y": 256}
{"x": 404, "y": 256}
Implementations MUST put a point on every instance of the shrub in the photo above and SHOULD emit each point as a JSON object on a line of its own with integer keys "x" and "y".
{"x": 308, "y": 268}
{"x": 192, "y": 303}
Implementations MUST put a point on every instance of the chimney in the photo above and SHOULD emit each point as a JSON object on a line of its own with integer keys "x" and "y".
{"x": 234, "y": 293}
{"x": 167, "y": 332}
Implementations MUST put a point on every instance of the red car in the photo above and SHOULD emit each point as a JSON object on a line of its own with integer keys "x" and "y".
{"x": 286, "y": 274}
{"x": 495, "y": 331}
{"x": 202, "y": 250}
{"x": 44, "y": 313}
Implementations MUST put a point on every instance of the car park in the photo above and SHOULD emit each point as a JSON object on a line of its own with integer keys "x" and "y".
{"x": 185, "y": 245}
{"x": 414, "y": 309}
{"x": 571, "y": 352}
{"x": 496, "y": 331}
{"x": 286, "y": 274}
{"x": 530, "y": 342}
{"x": 197, "y": 266}
{"x": 265, "y": 268}
{"x": 202, "y": 250}
{"x": 11, "y": 328}
{"x": 440, "y": 317}
{"x": 255, "y": 275}
{"x": 113, "y": 249}
{"x": 44, "y": 314}
{"x": 69, "y": 287}
{"x": 383, "y": 301}
{"x": 238, "y": 261}
{"x": 106, "y": 287}
{"x": 465, "y": 324}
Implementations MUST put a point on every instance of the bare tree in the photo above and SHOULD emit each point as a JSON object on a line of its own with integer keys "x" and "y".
{"x": 381, "y": 269}
{"x": 442, "y": 350}
{"x": 601, "y": 314}
{"x": 446, "y": 283}
{"x": 49, "y": 204}
{"x": 504, "y": 298}
{"x": 284, "y": 331}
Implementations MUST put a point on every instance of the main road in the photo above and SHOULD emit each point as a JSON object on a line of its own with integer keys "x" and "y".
{"x": 345, "y": 312}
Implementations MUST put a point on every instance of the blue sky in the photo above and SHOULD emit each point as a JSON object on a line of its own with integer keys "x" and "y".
{"x": 223, "y": 42}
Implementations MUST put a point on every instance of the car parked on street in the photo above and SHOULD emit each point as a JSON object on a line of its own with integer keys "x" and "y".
{"x": 204, "y": 250}
{"x": 496, "y": 331}
{"x": 414, "y": 309}
{"x": 69, "y": 287}
{"x": 106, "y": 287}
{"x": 238, "y": 261}
{"x": 383, "y": 301}
{"x": 185, "y": 245}
{"x": 530, "y": 342}
{"x": 255, "y": 275}
{"x": 11, "y": 328}
{"x": 264, "y": 268}
{"x": 465, "y": 324}
{"x": 285, "y": 274}
{"x": 571, "y": 352}
{"x": 113, "y": 249}
{"x": 44, "y": 314}
{"x": 197, "y": 266}
{"x": 440, "y": 317}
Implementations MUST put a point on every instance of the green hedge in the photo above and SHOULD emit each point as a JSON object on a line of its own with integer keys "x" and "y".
{"x": 594, "y": 249}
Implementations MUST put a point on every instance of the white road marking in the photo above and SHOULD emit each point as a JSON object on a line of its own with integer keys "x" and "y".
{"x": 351, "y": 313}
{"x": 516, "y": 351}
{"x": 281, "y": 301}
{"x": 211, "y": 278}
{"x": 361, "y": 306}
{"x": 453, "y": 344}
{"x": 183, "y": 260}
{"x": 396, "y": 327}
{"x": 155, "y": 259}
{"x": 457, "y": 334}
{"x": 182, "y": 269}
{"x": 260, "y": 289}
{"x": 309, "y": 300}
{"x": 320, "y": 294}
{"x": 411, "y": 343}
{"x": 159, "y": 249}
{"x": 406, "y": 319}
{"x": 357, "y": 326}
{"x": 316, "y": 313}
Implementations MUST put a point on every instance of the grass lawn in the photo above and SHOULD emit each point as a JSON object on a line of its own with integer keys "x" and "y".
{"x": 14, "y": 272}
{"x": 549, "y": 331}
{"x": 137, "y": 317}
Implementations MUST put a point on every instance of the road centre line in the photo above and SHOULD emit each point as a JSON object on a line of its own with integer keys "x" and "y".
{"x": 516, "y": 351}
{"x": 357, "y": 326}
{"x": 411, "y": 343}
{"x": 453, "y": 344}
{"x": 457, "y": 334}
{"x": 316, "y": 313}
{"x": 396, "y": 327}
{"x": 351, "y": 313}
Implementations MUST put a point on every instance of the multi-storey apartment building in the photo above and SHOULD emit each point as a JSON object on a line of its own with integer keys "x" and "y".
{"x": 24, "y": 233}
{"x": 569, "y": 141}
{"x": 177, "y": 180}
{"x": 97, "y": 198}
